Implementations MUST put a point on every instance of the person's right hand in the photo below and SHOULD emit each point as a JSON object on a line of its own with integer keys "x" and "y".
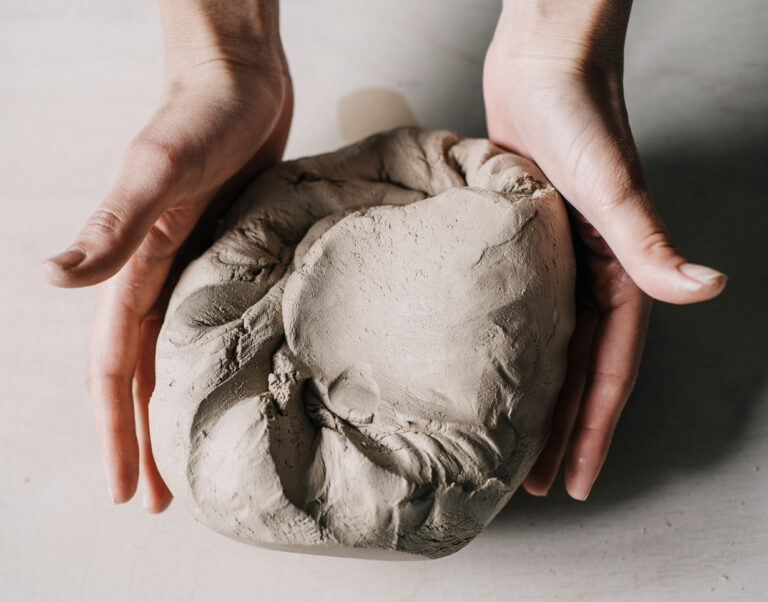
{"x": 224, "y": 116}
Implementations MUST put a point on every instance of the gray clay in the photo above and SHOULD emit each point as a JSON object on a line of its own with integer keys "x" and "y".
{"x": 366, "y": 361}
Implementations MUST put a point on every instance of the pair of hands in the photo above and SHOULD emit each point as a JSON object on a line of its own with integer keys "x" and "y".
{"x": 553, "y": 92}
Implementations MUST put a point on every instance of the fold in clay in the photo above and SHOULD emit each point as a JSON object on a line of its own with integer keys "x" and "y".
{"x": 366, "y": 361}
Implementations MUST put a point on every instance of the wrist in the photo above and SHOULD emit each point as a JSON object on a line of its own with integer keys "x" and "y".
{"x": 242, "y": 32}
{"x": 582, "y": 32}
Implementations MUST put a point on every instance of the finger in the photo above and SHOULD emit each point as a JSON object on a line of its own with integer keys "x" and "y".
{"x": 544, "y": 471}
{"x": 122, "y": 304}
{"x": 110, "y": 375}
{"x": 157, "y": 497}
{"x": 617, "y": 350}
{"x": 632, "y": 228}
{"x": 612, "y": 194}
{"x": 140, "y": 194}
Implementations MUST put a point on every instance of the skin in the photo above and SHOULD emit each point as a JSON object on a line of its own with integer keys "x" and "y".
{"x": 553, "y": 92}
{"x": 224, "y": 116}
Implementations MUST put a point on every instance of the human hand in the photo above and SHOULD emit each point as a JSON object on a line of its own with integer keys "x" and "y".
{"x": 224, "y": 115}
{"x": 553, "y": 92}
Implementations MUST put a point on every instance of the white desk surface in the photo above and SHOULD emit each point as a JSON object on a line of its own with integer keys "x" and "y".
{"x": 681, "y": 509}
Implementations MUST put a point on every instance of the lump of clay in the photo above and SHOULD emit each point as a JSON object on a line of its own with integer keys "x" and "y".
{"x": 366, "y": 361}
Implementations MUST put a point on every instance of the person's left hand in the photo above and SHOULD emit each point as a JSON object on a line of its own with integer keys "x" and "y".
{"x": 553, "y": 92}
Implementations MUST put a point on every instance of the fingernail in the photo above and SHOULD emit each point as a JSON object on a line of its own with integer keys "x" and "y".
{"x": 67, "y": 260}
{"x": 701, "y": 274}
{"x": 581, "y": 492}
{"x": 116, "y": 500}
{"x": 112, "y": 495}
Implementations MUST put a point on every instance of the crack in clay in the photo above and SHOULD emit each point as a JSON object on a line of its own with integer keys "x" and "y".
{"x": 312, "y": 178}
{"x": 520, "y": 232}
{"x": 365, "y": 362}
{"x": 453, "y": 162}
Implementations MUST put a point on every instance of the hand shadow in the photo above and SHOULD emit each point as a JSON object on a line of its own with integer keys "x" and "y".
{"x": 705, "y": 367}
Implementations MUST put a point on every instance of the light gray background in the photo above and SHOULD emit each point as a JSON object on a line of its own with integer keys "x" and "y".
{"x": 680, "y": 509}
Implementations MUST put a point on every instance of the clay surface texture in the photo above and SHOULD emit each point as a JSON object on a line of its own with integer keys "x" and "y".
{"x": 366, "y": 360}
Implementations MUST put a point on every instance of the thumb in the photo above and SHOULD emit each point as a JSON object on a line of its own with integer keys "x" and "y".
{"x": 139, "y": 196}
{"x": 635, "y": 233}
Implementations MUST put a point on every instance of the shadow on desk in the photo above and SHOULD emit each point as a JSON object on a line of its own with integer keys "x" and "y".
{"x": 705, "y": 367}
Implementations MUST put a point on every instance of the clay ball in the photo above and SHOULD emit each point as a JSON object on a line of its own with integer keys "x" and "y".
{"x": 365, "y": 362}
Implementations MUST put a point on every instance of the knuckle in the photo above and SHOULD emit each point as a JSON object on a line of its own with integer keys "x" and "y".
{"x": 164, "y": 155}
{"x": 164, "y": 160}
{"x": 591, "y": 443}
{"x": 615, "y": 386}
{"x": 657, "y": 243}
{"x": 609, "y": 393}
{"x": 592, "y": 438}
{"x": 108, "y": 220}
{"x": 117, "y": 430}
{"x": 103, "y": 378}
{"x": 155, "y": 158}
